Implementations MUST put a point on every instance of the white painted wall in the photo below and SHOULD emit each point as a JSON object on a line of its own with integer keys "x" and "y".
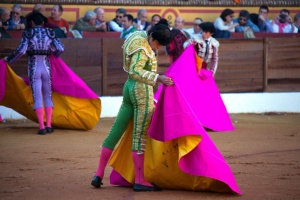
{"x": 234, "y": 102}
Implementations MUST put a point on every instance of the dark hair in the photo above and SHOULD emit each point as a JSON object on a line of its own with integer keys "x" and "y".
{"x": 208, "y": 27}
{"x": 264, "y": 7}
{"x": 37, "y": 18}
{"x": 161, "y": 32}
{"x": 156, "y": 15}
{"x": 285, "y": 10}
{"x": 129, "y": 17}
{"x": 244, "y": 13}
{"x": 121, "y": 10}
{"x": 225, "y": 13}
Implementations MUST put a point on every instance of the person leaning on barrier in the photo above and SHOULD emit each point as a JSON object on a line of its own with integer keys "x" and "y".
{"x": 141, "y": 21}
{"x": 154, "y": 20}
{"x": 4, "y": 16}
{"x": 100, "y": 20}
{"x": 87, "y": 23}
{"x": 17, "y": 21}
{"x": 56, "y": 19}
{"x": 283, "y": 23}
{"x": 297, "y": 21}
{"x": 115, "y": 25}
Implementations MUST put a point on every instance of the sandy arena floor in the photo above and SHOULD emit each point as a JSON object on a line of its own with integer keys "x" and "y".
{"x": 263, "y": 152}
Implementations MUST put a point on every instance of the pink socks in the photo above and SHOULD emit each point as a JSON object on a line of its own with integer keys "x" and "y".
{"x": 104, "y": 158}
{"x": 48, "y": 115}
{"x": 40, "y": 115}
{"x": 138, "y": 161}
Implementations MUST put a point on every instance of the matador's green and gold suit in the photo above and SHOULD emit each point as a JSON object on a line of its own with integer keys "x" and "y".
{"x": 141, "y": 65}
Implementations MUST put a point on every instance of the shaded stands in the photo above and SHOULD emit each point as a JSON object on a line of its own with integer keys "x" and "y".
{"x": 245, "y": 65}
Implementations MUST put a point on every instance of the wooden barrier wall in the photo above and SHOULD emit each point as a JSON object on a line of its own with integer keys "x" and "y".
{"x": 245, "y": 65}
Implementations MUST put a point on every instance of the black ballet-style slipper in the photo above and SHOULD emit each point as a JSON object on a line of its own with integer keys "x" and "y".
{"x": 49, "y": 129}
{"x": 96, "y": 182}
{"x": 42, "y": 132}
{"x": 144, "y": 188}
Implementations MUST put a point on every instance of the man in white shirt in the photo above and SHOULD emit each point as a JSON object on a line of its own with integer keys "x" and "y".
{"x": 116, "y": 24}
{"x": 283, "y": 23}
{"x": 195, "y": 30}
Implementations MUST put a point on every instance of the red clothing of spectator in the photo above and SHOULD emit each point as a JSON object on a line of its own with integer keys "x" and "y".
{"x": 60, "y": 23}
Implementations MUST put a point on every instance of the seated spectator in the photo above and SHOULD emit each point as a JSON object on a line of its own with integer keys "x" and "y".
{"x": 297, "y": 21}
{"x": 224, "y": 24}
{"x": 4, "y": 17}
{"x": 56, "y": 19}
{"x": 141, "y": 20}
{"x": 17, "y": 21}
{"x": 116, "y": 24}
{"x": 179, "y": 23}
{"x": 87, "y": 23}
{"x": 175, "y": 48}
{"x": 129, "y": 28}
{"x": 283, "y": 23}
{"x": 195, "y": 30}
{"x": 100, "y": 20}
{"x": 261, "y": 19}
{"x": 245, "y": 24}
{"x": 154, "y": 20}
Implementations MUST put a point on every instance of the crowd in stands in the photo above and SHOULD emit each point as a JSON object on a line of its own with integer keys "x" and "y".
{"x": 125, "y": 23}
{"x": 94, "y": 21}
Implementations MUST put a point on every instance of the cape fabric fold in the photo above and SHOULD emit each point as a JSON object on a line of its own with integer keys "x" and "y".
{"x": 76, "y": 106}
{"x": 179, "y": 153}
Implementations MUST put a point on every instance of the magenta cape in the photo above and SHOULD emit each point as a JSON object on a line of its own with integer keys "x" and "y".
{"x": 76, "y": 106}
{"x": 178, "y": 121}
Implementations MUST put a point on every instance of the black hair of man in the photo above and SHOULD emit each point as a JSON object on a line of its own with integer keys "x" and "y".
{"x": 264, "y": 7}
{"x": 129, "y": 17}
{"x": 286, "y": 11}
{"x": 244, "y": 13}
{"x": 208, "y": 27}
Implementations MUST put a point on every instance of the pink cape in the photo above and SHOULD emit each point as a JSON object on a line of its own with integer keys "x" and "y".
{"x": 183, "y": 110}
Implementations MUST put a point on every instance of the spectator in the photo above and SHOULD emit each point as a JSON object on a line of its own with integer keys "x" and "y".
{"x": 56, "y": 19}
{"x": 195, "y": 30}
{"x": 261, "y": 19}
{"x": 17, "y": 21}
{"x": 116, "y": 23}
{"x": 100, "y": 20}
{"x": 297, "y": 21}
{"x": 154, "y": 20}
{"x": 175, "y": 48}
{"x": 4, "y": 17}
{"x": 129, "y": 28}
{"x": 245, "y": 24}
{"x": 87, "y": 23}
{"x": 179, "y": 23}
{"x": 283, "y": 23}
{"x": 224, "y": 24}
{"x": 141, "y": 20}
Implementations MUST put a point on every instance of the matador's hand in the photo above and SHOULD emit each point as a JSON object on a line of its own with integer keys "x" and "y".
{"x": 165, "y": 80}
